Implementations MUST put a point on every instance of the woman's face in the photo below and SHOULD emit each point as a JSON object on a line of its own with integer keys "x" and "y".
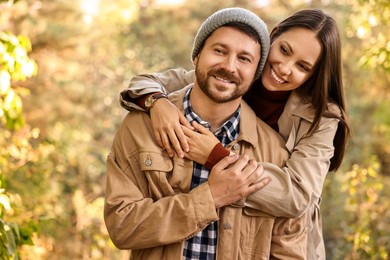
{"x": 292, "y": 59}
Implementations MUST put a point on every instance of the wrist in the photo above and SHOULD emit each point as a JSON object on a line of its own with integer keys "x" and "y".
{"x": 152, "y": 98}
{"x": 218, "y": 153}
{"x": 140, "y": 101}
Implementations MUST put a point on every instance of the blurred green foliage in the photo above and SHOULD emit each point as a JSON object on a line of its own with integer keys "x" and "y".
{"x": 357, "y": 226}
{"x": 15, "y": 66}
{"x": 57, "y": 125}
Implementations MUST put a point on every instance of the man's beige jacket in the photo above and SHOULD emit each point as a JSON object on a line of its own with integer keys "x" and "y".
{"x": 150, "y": 209}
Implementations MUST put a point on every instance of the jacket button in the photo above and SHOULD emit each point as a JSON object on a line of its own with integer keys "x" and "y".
{"x": 227, "y": 226}
{"x": 148, "y": 162}
{"x": 235, "y": 147}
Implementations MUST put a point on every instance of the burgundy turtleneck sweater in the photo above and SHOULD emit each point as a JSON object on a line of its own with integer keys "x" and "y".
{"x": 268, "y": 105}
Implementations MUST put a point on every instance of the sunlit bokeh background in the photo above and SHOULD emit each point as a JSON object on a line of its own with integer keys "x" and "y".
{"x": 62, "y": 66}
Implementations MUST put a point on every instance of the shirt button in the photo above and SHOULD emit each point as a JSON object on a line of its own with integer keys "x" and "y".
{"x": 235, "y": 147}
{"x": 227, "y": 226}
{"x": 148, "y": 162}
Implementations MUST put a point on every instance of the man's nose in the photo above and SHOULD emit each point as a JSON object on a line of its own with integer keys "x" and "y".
{"x": 230, "y": 64}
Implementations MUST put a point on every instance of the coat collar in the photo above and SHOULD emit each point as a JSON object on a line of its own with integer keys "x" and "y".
{"x": 294, "y": 111}
{"x": 296, "y": 107}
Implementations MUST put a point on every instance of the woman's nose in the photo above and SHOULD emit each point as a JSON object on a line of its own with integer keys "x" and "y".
{"x": 285, "y": 69}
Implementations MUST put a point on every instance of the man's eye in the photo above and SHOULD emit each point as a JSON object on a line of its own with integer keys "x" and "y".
{"x": 245, "y": 59}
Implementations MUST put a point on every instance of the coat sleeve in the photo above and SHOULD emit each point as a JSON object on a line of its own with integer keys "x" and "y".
{"x": 135, "y": 217}
{"x": 166, "y": 82}
{"x": 294, "y": 187}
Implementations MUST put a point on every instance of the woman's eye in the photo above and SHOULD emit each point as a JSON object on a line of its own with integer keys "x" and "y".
{"x": 283, "y": 50}
{"x": 303, "y": 67}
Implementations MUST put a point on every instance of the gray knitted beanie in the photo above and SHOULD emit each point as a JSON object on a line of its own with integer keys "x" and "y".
{"x": 229, "y": 15}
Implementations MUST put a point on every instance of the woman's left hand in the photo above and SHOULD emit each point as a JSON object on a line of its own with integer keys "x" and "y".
{"x": 201, "y": 143}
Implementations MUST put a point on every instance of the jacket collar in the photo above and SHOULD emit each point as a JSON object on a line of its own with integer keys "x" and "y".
{"x": 248, "y": 125}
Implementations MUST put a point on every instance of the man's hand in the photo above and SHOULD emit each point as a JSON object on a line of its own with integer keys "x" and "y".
{"x": 234, "y": 178}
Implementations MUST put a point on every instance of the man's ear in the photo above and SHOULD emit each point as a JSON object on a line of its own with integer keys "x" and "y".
{"x": 196, "y": 59}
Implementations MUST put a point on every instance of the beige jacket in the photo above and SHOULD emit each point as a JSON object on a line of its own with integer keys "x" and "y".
{"x": 150, "y": 209}
{"x": 295, "y": 188}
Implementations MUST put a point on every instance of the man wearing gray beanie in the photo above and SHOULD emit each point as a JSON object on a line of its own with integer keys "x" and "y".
{"x": 234, "y": 15}
{"x": 174, "y": 208}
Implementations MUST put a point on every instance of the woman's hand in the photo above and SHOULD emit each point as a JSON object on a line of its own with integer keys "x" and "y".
{"x": 167, "y": 122}
{"x": 201, "y": 143}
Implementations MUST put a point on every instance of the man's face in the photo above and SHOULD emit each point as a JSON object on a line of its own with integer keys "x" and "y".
{"x": 227, "y": 64}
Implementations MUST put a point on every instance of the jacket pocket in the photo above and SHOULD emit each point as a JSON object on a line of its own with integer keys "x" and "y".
{"x": 154, "y": 161}
{"x": 165, "y": 176}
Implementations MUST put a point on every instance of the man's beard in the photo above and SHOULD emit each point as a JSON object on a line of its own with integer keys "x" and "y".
{"x": 202, "y": 79}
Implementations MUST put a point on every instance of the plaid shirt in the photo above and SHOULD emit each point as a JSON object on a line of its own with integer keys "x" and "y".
{"x": 203, "y": 245}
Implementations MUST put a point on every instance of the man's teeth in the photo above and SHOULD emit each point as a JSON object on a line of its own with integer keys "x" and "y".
{"x": 222, "y": 79}
{"x": 279, "y": 80}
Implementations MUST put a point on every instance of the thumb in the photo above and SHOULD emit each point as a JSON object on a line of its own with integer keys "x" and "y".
{"x": 201, "y": 129}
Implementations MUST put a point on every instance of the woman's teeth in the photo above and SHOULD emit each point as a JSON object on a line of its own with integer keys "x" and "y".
{"x": 276, "y": 78}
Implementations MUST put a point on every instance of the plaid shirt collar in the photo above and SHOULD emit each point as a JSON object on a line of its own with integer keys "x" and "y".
{"x": 230, "y": 128}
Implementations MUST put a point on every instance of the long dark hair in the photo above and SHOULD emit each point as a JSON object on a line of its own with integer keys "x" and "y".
{"x": 325, "y": 85}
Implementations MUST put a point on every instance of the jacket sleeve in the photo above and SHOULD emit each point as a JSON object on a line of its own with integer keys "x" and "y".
{"x": 165, "y": 82}
{"x": 294, "y": 187}
{"x": 135, "y": 217}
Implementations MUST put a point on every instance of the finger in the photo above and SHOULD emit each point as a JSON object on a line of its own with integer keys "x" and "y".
{"x": 158, "y": 139}
{"x": 256, "y": 174}
{"x": 175, "y": 143}
{"x": 182, "y": 138}
{"x": 187, "y": 132}
{"x": 250, "y": 168}
{"x": 259, "y": 185}
{"x": 225, "y": 162}
{"x": 166, "y": 144}
{"x": 183, "y": 120}
{"x": 201, "y": 129}
{"x": 240, "y": 164}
